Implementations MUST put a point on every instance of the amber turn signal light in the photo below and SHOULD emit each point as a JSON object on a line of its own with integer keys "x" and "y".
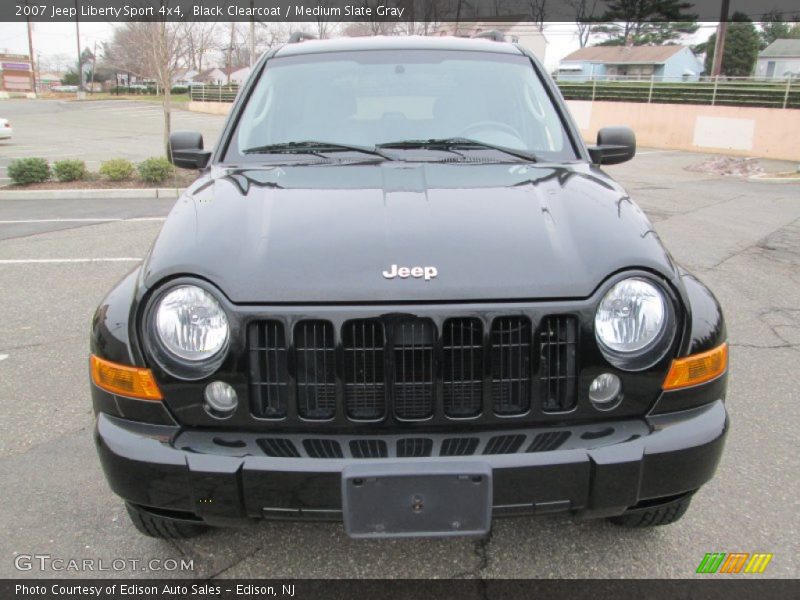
{"x": 697, "y": 368}
{"x": 123, "y": 380}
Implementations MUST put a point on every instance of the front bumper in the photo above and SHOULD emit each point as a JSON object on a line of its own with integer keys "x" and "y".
{"x": 222, "y": 478}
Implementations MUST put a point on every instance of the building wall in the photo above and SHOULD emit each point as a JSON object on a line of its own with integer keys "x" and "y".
{"x": 679, "y": 63}
{"x": 587, "y": 71}
{"x": 738, "y": 130}
{"x": 15, "y": 73}
{"x": 782, "y": 67}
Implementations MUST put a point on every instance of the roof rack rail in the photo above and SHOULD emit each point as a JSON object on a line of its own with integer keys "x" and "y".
{"x": 492, "y": 34}
{"x": 300, "y": 36}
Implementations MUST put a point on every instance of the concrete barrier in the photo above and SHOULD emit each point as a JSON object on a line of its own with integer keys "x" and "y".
{"x": 739, "y": 130}
{"x": 213, "y": 108}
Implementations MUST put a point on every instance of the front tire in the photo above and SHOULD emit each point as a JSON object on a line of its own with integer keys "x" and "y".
{"x": 654, "y": 516}
{"x": 163, "y": 527}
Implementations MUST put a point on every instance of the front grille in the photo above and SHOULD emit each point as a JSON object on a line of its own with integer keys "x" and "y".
{"x": 511, "y": 368}
{"x": 364, "y": 387}
{"x": 462, "y": 365}
{"x": 558, "y": 349}
{"x": 413, "y": 368}
{"x": 269, "y": 375}
{"x": 315, "y": 367}
{"x": 403, "y": 368}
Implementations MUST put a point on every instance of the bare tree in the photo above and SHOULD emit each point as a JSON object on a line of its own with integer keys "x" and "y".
{"x": 149, "y": 50}
{"x": 584, "y": 13}
{"x": 422, "y": 17}
{"x": 199, "y": 39}
{"x": 537, "y": 9}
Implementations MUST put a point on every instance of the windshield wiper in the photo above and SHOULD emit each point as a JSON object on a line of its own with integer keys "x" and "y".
{"x": 456, "y": 142}
{"x": 313, "y": 147}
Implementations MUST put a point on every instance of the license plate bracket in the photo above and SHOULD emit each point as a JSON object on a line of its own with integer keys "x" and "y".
{"x": 417, "y": 500}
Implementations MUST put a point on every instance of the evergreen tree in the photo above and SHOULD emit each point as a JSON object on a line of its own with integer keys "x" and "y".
{"x": 642, "y": 22}
{"x": 742, "y": 44}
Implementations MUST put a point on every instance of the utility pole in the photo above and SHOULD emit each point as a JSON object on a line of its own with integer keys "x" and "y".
{"x": 230, "y": 51}
{"x": 30, "y": 54}
{"x": 94, "y": 64}
{"x": 252, "y": 36}
{"x": 78, "y": 38}
{"x": 719, "y": 46}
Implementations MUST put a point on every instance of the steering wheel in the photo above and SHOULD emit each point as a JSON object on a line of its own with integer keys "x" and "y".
{"x": 492, "y": 126}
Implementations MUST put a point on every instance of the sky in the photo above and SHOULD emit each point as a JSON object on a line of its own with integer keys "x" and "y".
{"x": 58, "y": 39}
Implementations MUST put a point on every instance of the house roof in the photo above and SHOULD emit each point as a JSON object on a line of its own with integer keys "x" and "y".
{"x": 625, "y": 54}
{"x": 781, "y": 48}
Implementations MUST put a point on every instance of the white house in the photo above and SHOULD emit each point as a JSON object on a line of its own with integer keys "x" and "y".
{"x": 524, "y": 33}
{"x": 662, "y": 63}
{"x": 779, "y": 60}
{"x": 239, "y": 75}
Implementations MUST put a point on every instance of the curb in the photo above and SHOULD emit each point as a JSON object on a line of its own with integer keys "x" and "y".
{"x": 765, "y": 178}
{"x": 144, "y": 193}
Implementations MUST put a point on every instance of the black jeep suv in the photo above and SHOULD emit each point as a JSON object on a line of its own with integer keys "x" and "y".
{"x": 402, "y": 294}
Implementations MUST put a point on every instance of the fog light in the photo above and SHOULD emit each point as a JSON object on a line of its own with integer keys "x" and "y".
{"x": 221, "y": 399}
{"x": 605, "y": 391}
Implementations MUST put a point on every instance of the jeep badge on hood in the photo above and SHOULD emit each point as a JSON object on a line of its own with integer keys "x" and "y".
{"x": 404, "y": 272}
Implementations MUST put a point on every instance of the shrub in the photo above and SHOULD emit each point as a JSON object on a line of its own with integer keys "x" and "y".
{"x": 70, "y": 170}
{"x": 155, "y": 170}
{"x": 117, "y": 169}
{"x": 24, "y": 171}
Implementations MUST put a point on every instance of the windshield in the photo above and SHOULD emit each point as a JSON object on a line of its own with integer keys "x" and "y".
{"x": 367, "y": 99}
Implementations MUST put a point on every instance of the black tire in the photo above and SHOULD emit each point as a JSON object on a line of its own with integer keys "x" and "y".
{"x": 167, "y": 528}
{"x": 654, "y": 516}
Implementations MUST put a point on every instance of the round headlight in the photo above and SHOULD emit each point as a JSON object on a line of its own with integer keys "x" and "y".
{"x": 631, "y": 322}
{"x": 191, "y": 324}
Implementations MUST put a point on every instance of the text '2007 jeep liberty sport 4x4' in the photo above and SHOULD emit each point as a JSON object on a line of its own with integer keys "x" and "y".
{"x": 403, "y": 295}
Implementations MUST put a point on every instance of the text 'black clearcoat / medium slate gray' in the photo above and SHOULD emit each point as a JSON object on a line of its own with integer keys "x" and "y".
{"x": 404, "y": 295}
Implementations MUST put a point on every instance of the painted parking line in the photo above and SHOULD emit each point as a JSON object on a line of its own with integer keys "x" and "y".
{"x": 82, "y": 220}
{"x": 55, "y": 261}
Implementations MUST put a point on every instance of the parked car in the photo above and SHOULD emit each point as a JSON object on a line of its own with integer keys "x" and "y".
{"x": 403, "y": 294}
{"x": 64, "y": 88}
{"x": 6, "y": 131}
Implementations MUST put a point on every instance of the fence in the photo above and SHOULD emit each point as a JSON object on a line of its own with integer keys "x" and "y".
{"x": 725, "y": 91}
{"x": 213, "y": 93}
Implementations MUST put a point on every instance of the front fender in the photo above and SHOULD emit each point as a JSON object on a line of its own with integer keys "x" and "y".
{"x": 111, "y": 339}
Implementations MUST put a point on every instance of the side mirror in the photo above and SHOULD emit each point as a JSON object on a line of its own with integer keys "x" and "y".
{"x": 185, "y": 150}
{"x": 614, "y": 145}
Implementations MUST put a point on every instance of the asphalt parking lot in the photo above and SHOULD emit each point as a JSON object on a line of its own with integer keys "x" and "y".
{"x": 58, "y": 258}
{"x": 93, "y": 131}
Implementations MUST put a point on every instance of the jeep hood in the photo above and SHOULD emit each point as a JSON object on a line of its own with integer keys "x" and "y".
{"x": 326, "y": 233}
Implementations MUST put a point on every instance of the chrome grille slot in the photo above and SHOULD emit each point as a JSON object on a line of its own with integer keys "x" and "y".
{"x": 459, "y": 446}
{"x": 364, "y": 385}
{"x": 558, "y": 369}
{"x": 278, "y": 447}
{"x": 412, "y": 354}
{"x": 368, "y": 449}
{"x": 414, "y": 447}
{"x": 315, "y": 369}
{"x": 462, "y": 367}
{"x": 504, "y": 444}
{"x": 268, "y": 369}
{"x": 511, "y": 368}
{"x": 550, "y": 440}
{"x": 322, "y": 448}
